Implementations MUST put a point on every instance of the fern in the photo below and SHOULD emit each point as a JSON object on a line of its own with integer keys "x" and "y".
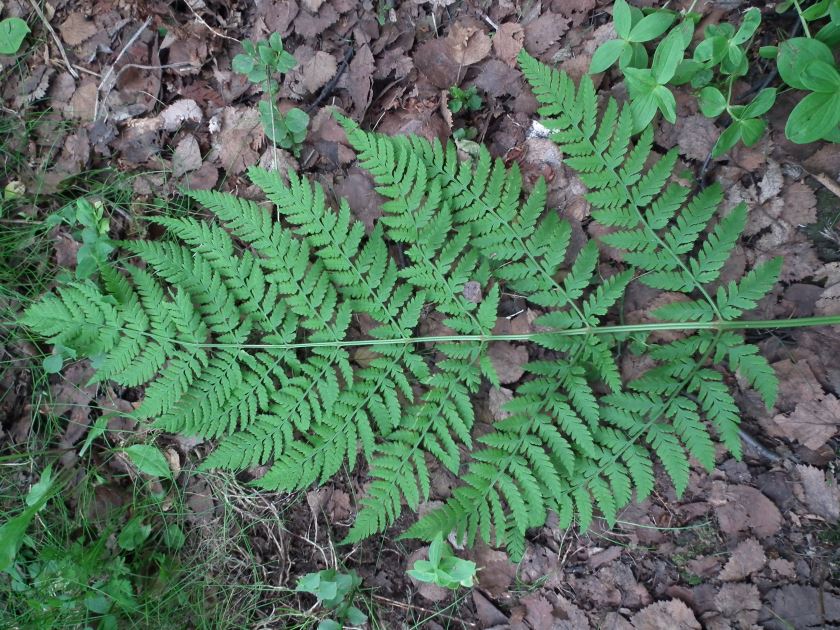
{"x": 289, "y": 333}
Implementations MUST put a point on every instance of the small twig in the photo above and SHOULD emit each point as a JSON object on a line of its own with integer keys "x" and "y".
{"x": 759, "y": 448}
{"x": 405, "y": 606}
{"x": 829, "y": 183}
{"x": 209, "y": 28}
{"x": 329, "y": 87}
{"x": 56, "y": 39}
{"x": 107, "y": 76}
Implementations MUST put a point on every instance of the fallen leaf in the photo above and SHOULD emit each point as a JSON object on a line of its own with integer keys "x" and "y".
{"x": 800, "y": 607}
{"x": 311, "y": 26}
{"x": 76, "y": 29}
{"x": 360, "y": 74}
{"x": 314, "y": 73}
{"x": 748, "y": 558}
{"x": 186, "y": 157}
{"x": 829, "y": 301}
{"x": 508, "y": 361}
{"x": 240, "y": 134}
{"x": 800, "y": 206}
{"x": 821, "y": 496}
{"x": 739, "y": 603}
{"x": 665, "y": 615}
{"x": 772, "y": 182}
{"x": 544, "y": 32}
{"x": 204, "y": 178}
{"x": 497, "y": 79}
{"x": 487, "y": 613}
{"x": 696, "y": 135}
{"x": 83, "y": 102}
{"x": 743, "y": 508}
{"x": 782, "y": 568}
{"x": 184, "y": 111}
{"x": 508, "y": 41}
{"x": 469, "y": 43}
{"x": 496, "y": 571}
{"x": 435, "y": 60}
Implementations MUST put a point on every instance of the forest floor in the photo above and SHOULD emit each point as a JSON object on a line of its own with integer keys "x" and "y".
{"x": 140, "y": 99}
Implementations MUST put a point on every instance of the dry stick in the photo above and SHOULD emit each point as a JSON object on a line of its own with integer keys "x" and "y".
{"x": 436, "y": 613}
{"x": 56, "y": 39}
{"x": 329, "y": 87}
{"x": 210, "y": 28}
{"x": 829, "y": 183}
{"x": 107, "y": 76}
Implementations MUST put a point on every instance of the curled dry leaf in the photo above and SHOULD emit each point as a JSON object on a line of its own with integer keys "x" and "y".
{"x": 469, "y": 43}
{"x": 743, "y": 508}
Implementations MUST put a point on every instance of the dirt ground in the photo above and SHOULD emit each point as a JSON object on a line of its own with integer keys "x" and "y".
{"x": 146, "y": 88}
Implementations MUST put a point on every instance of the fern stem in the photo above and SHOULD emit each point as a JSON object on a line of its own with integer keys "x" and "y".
{"x": 719, "y": 325}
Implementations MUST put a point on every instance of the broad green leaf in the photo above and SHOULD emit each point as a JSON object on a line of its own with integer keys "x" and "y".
{"x": 436, "y": 550}
{"x": 149, "y": 460}
{"x": 829, "y": 34}
{"x": 711, "y": 50}
{"x": 12, "y": 32}
{"x": 686, "y": 71}
{"x": 815, "y": 116}
{"x": 37, "y": 494}
{"x": 173, "y": 537}
{"x": 819, "y": 76}
{"x": 751, "y": 130}
{"x": 134, "y": 534}
{"x": 622, "y": 19}
{"x": 355, "y": 617}
{"x": 651, "y": 26}
{"x": 607, "y": 54}
{"x": 795, "y": 54}
{"x": 668, "y": 55}
{"x": 768, "y": 52}
{"x": 711, "y": 101}
{"x": 749, "y": 24}
{"x": 727, "y": 140}
{"x": 53, "y": 364}
{"x": 242, "y": 64}
{"x": 761, "y": 104}
{"x": 329, "y": 624}
{"x": 666, "y": 102}
{"x": 296, "y": 120}
{"x": 817, "y": 10}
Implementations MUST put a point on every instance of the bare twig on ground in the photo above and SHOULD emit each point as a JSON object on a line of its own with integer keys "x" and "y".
{"x": 108, "y": 78}
{"x": 56, "y": 39}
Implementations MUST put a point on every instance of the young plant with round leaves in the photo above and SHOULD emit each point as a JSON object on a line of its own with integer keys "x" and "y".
{"x": 12, "y": 32}
{"x": 334, "y": 591}
{"x": 443, "y": 567}
{"x": 262, "y": 62}
{"x": 634, "y": 29}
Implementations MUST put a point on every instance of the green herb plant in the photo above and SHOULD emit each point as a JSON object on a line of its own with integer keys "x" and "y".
{"x": 12, "y": 32}
{"x": 718, "y": 61}
{"x": 443, "y": 567}
{"x": 335, "y": 591}
{"x": 262, "y": 62}
{"x": 91, "y": 228}
{"x": 87, "y": 581}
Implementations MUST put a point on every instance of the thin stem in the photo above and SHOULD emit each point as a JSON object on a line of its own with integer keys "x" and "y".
{"x": 802, "y": 19}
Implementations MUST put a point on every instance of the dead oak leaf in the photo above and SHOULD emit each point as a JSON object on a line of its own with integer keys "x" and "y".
{"x": 436, "y": 61}
{"x": 314, "y": 73}
{"x": 800, "y": 204}
{"x": 544, "y": 32}
{"x": 180, "y": 112}
{"x": 821, "y": 497}
{"x": 666, "y": 615}
{"x": 743, "y": 508}
{"x": 748, "y": 558}
{"x": 76, "y": 29}
{"x": 739, "y": 603}
{"x": 186, "y": 157}
{"x": 508, "y": 41}
{"x": 360, "y": 74}
{"x": 469, "y": 43}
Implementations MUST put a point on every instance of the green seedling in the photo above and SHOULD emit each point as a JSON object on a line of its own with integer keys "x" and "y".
{"x": 443, "y": 567}
{"x": 335, "y": 592}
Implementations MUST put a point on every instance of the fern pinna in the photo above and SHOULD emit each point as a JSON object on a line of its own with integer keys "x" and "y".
{"x": 293, "y": 340}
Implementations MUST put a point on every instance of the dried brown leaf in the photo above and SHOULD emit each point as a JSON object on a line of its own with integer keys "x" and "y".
{"x": 821, "y": 496}
{"x": 186, "y": 157}
{"x": 508, "y": 361}
{"x": 748, "y": 558}
{"x": 666, "y": 615}
{"x": 76, "y": 29}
